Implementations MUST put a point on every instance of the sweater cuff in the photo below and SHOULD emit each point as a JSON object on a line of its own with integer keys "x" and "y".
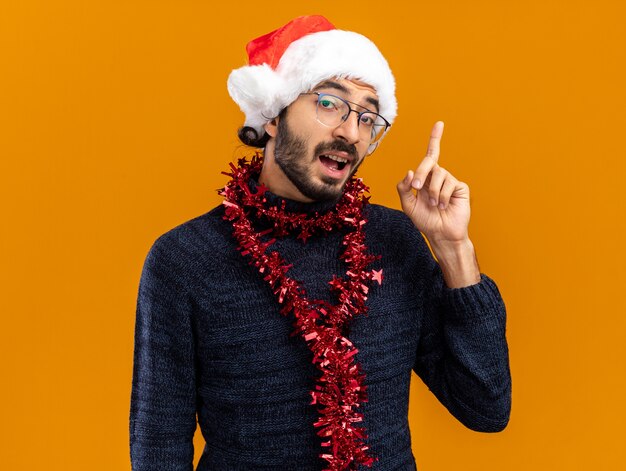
{"x": 475, "y": 301}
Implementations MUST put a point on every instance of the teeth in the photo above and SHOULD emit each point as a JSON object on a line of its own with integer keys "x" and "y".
{"x": 337, "y": 159}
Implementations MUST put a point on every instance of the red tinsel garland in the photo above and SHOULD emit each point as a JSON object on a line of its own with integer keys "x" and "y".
{"x": 340, "y": 389}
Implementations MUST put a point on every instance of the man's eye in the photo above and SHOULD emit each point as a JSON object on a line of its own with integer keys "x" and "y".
{"x": 328, "y": 104}
{"x": 367, "y": 120}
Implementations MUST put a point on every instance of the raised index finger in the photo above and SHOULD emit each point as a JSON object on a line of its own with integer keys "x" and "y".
{"x": 435, "y": 140}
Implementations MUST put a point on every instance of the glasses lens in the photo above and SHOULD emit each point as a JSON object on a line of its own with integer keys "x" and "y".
{"x": 373, "y": 125}
{"x": 331, "y": 110}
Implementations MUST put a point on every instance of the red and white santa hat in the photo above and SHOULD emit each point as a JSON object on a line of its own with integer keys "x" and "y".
{"x": 296, "y": 57}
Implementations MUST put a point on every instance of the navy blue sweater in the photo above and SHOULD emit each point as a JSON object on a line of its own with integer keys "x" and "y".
{"x": 209, "y": 341}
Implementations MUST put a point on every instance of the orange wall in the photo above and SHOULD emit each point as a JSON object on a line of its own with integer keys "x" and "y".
{"x": 115, "y": 124}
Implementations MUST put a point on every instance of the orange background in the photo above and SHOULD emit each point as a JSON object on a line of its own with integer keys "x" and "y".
{"x": 115, "y": 124}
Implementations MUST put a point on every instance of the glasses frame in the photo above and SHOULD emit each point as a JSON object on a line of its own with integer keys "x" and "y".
{"x": 347, "y": 115}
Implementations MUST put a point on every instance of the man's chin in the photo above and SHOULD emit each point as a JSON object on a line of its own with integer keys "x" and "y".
{"x": 331, "y": 189}
{"x": 333, "y": 182}
{"x": 327, "y": 190}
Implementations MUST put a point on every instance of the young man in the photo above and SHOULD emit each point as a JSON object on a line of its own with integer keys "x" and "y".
{"x": 290, "y": 318}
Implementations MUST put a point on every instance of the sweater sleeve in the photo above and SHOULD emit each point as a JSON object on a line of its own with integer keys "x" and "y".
{"x": 163, "y": 397}
{"x": 462, "y": 354}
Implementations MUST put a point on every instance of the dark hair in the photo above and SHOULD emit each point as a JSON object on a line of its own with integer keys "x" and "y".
{"x": 250, "y": 137}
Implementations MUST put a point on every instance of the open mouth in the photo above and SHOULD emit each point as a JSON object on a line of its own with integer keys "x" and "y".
{"x": 333, "y": 162}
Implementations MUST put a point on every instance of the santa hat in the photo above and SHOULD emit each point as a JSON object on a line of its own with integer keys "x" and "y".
{"x": 295, "y": 58}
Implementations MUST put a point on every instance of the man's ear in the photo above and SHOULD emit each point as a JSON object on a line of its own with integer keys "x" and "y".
{"x": 271, "y": 126}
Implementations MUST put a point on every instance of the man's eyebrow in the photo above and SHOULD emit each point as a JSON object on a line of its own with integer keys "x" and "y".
{"x": 374, "y": 102}
{"x": 331, "y": 84}
{"x": 341, "y": 88}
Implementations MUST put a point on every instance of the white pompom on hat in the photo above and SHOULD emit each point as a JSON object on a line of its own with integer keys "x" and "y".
{"x": 295, "y": 58}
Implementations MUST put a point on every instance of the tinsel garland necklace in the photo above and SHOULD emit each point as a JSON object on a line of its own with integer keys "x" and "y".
{"x": 340, "y": 388}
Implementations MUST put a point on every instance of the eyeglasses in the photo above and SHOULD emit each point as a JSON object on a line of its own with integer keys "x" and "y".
{"x": 332, "y": 110}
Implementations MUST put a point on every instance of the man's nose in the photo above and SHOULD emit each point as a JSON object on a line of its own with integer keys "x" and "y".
{"x": 349, "y": 129}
